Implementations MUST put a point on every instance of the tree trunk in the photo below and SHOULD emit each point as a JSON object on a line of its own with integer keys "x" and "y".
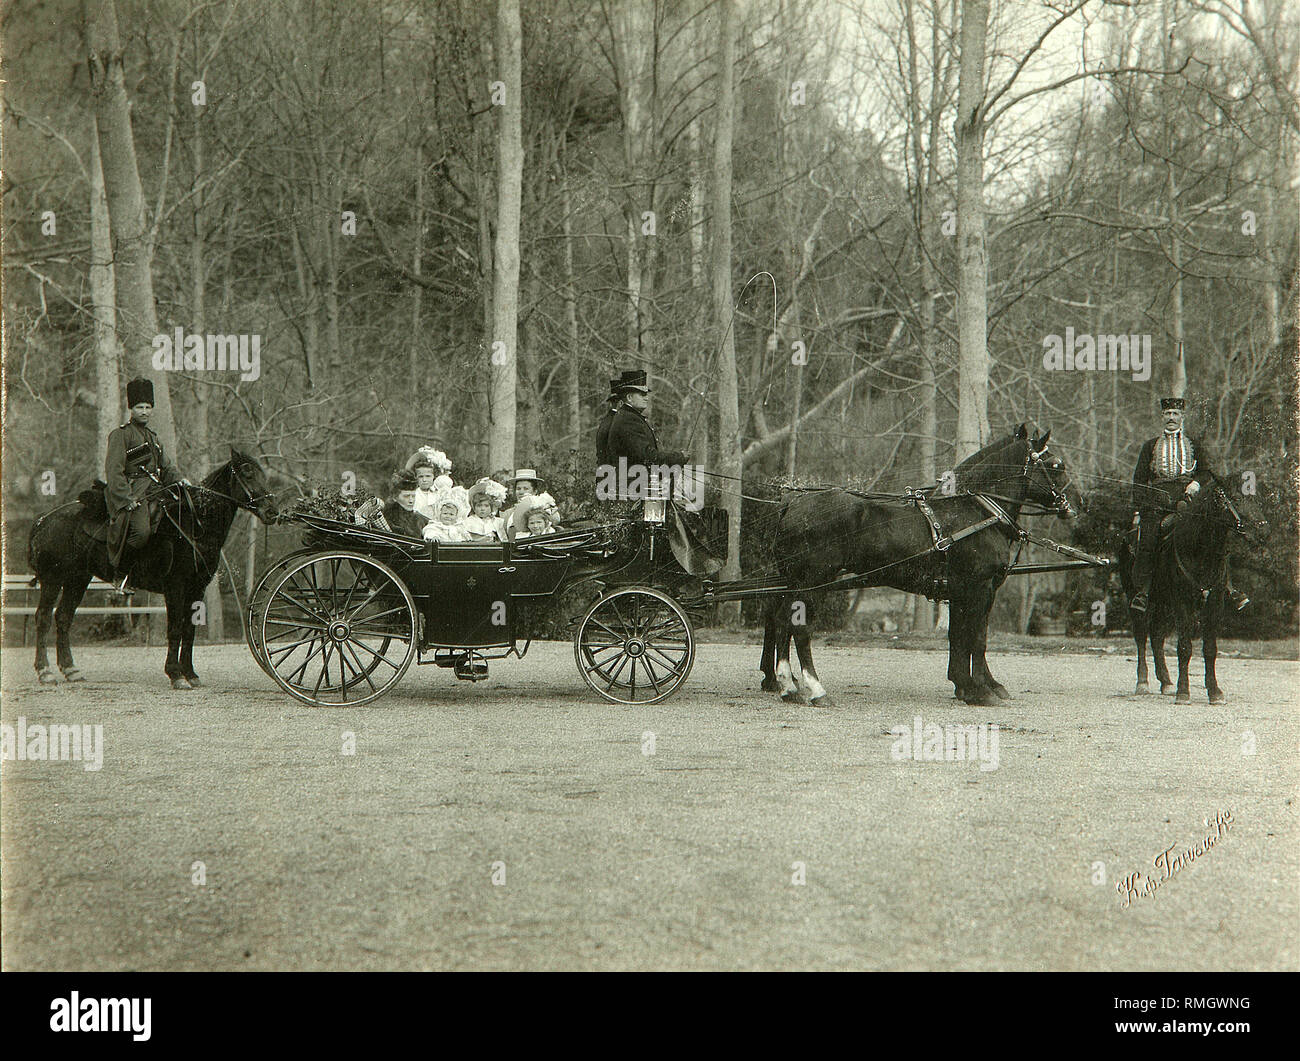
{"x": 417, "y": 410}
{"x": 972, "y": 277}
{"x": 729, "y": 454}
{"x": 505, "y": 258}
{"x": 571, "y": 319}
{"x": 215, "y": 616}
{"x": 635, "y": 43}
{"x": 132, "y": 252}
{"x": 103, "y": 293}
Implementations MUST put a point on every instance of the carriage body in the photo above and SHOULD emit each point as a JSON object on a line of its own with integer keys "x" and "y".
{"x": 339, "y": 622}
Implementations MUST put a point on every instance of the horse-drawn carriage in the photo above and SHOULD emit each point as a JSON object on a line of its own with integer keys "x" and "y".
{"x": 339, "y": 622}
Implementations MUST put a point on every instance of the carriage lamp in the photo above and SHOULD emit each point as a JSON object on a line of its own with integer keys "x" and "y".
{"x": 655, "y": 510}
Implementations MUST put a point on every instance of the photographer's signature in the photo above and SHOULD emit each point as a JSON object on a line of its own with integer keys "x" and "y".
{"x": 1139, "y": 885}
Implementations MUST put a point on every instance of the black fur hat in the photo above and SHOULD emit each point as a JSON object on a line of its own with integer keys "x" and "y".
{"x": 404, "y": 480}
{"x": 139, "y": 390}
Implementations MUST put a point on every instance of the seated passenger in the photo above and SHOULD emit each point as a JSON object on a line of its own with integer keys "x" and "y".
{"x": 484, "y": 498}
{"x": 425, "y": 490}
{"x": 536, "y": 524}
{"x": 523, "y": 519}
{"x": 451, "y": 507}
{"x": 399, "y": 511}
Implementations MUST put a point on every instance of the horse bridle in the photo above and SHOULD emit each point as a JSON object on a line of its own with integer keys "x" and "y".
{"x": 1060, "y": 503}
{"x": 248, "y": 505}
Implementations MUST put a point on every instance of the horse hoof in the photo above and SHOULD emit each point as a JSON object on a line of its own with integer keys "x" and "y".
{"x": 1183, "y": 698}
{"x": 1218, "y": 697}
{"x": 1165, "y": 690}
{"x": 193, "y": 679}
{"x": 822, "y": 701}
{"x": 793, "y": 698}
{"x": 769, "y": 685}
{"x": 1000, "y": 691}
{"x": 73, "y": 675}
{"x": 47, "y": 677}
{"x": 181, "y": 683}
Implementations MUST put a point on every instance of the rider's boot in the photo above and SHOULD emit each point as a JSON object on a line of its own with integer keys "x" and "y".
{"x": 1142, "y": 571}
{"x": 1236, "y": 598}
{"x": 124, "y": 573}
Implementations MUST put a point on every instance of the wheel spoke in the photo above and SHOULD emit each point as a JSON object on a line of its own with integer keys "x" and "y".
{"x": 301, "y": 671}
{"x": 378, "y": 656}
{"x": 282, "y": 649}
{"x": 364, "y": 673}
{"x": 324, "y": 670}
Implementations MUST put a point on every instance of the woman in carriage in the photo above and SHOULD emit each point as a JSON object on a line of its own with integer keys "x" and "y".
{"x": 398, "y": 514}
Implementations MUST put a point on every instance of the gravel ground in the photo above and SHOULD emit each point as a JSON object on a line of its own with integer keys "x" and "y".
{"x": 611, "y": 858}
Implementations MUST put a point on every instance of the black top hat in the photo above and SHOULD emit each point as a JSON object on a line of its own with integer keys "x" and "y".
{"x": 139, "y": 390}
{"x": 614, "y": 385}
{"x": 1172, "y": 403}
{"x": 633, "y": 380}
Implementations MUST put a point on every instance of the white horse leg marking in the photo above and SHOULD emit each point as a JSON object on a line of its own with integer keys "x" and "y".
{"x": 815, "y": 688}
{"x": 785, "y": 676}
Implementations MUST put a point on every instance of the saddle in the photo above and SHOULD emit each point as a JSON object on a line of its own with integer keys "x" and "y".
{"x": 94, "y": 511}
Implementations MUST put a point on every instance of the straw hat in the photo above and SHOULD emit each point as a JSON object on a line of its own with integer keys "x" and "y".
{"x": 529, "y": 474}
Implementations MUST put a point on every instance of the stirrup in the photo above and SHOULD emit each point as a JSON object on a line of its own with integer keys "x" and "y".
{"x": 121, "y": 585}
{"x": 1139, "y": 603}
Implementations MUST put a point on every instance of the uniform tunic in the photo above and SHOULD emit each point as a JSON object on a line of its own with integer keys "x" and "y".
{"x": 602, "y": 437}
{"x": 135, "y": 458}
{"x": 631, "y": 436}
{"x": 1164, "y": 468}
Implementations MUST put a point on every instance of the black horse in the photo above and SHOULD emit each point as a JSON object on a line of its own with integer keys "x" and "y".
{"x": 66, "y": 550}
{"x": 1188, "y": 585}
{"x": 822, "y": 533}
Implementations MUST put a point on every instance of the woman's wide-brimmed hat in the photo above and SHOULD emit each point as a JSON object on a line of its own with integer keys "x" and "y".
{"x": 536, "y": 503}
{"x": 529, "y": 474}
{"x": 486, "y": 488}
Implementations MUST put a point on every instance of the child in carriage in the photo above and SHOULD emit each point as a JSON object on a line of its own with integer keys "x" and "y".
{"x": 451, "y": 506}
{"x": 431, "y": 467}
{"x": 485, "y": 496}
{"x": 534, "y": 515}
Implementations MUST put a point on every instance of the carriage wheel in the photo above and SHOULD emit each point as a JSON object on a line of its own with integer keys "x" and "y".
{"x": 257, "y": 604}
{"x": 634, "y": 646}
{"x": 338, "y": 629}
{"x": 256, "y": 612}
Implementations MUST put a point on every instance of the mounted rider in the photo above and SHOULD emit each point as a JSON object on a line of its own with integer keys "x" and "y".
{"x": 135, "y": 463}
{"x": 1172, "y": 468}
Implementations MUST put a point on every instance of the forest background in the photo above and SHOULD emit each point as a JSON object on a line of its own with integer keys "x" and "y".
{"x": 451, "y": 221}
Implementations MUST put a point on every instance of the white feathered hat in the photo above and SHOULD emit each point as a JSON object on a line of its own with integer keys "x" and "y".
{"x": 454, "y": 495}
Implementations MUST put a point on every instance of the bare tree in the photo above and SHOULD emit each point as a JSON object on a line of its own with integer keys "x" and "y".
{"x": 505, "y": 256}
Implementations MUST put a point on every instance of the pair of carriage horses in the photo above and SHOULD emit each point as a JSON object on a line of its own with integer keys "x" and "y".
{"x": 817, "y": 535}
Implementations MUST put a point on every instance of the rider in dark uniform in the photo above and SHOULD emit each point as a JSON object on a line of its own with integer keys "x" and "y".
{"x": 1171, "y": 468}
{"x": 135, "y": 463}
